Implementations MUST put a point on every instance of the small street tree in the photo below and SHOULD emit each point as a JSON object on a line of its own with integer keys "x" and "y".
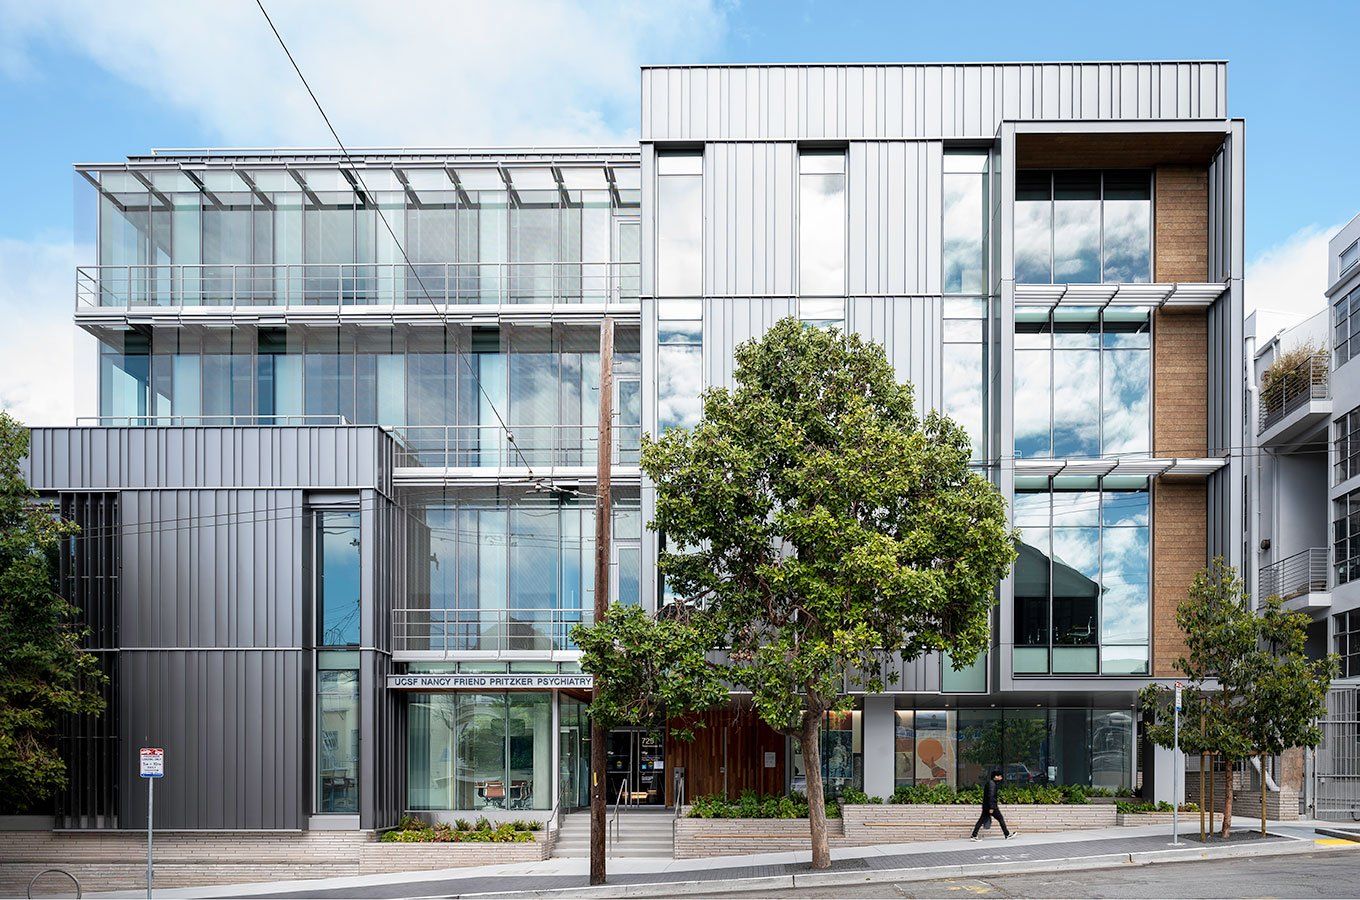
{"x": 1251, "y": 689}
{"x": 820, "y": 524}
{"x": 44, "y": 673}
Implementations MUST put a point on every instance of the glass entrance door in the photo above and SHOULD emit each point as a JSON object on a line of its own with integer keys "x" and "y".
{"x": 635, "y": 762}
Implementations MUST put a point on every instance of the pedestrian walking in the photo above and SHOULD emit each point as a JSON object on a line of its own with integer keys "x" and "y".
{"x": 991, "y": 809}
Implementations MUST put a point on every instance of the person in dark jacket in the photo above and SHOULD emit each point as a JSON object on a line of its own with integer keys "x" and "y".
{"x": 990, "y": 808}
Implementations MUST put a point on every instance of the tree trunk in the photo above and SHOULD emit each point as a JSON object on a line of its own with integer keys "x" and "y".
{"x": 1227, "y": 797}
{"x": 812, "y": 764}
{"x": 1263, "y": 795}
{"x": 1203, "y": 799}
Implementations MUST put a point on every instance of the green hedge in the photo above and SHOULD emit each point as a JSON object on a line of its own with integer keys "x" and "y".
{"x": 751, "y": 805}
{"x": 416, "y": 831}
{"x": 1159, "y": 806}
{"x": 1013, "y": 795}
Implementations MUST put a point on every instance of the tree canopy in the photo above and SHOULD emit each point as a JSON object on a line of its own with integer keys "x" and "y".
{"x": 816, "y": 523}
{"x": 44, "y": 672}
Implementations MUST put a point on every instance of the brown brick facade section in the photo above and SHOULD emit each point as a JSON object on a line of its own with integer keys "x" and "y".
{"x": 1180, "y": 383}
{"x": 1180, "y": 529}
{"x": 1181, "y": 223}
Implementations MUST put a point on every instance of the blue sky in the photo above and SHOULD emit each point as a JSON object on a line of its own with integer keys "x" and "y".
{"x": 86, "y": 80}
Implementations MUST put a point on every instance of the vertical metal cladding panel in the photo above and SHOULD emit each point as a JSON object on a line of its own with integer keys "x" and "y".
{"x": 749, "y": 233}
{"x": 743, "y": 103}
{"x": 894, "y": 207}
{"x": 211, "y": 568}
{"x": 910, "y": 329}
{"x": 382, "y": 775}
{"x": 230, "y": 724}
{"x": 728, "y": 323}
{"x": 249, "y": 457}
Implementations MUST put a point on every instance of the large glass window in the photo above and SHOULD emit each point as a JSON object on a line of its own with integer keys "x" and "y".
{"x": 1058, "y": 745}
{"x": 965, "y": 367}
{"x": 1346, "y": 326}
{"x": 842, "y": 755}
{"x": 1346, "y": 537}
{"x": 1083, "y": 226}
{"x": 1082, "y": 586}
{"x": 1346, "y": 642}
{"x": 679, "y": 224}
{"x": 965, "y": 223}
{"x": 338, "y": 586}
{"x": 1083, "y": 382}
{"x": 480, "y": 751}
{"x": 512, "y": 572}
{"x": 337, "y": 740}
{"x": 1348, "y": 445}
{"x": 821, "y": 223}
{"x": 679, "y": 363}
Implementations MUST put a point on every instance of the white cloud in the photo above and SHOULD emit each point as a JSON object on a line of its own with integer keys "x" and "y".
{"x": 413, "y": 73}
{"x": 38, "y": 340}
{"x": 1291, "y": 276}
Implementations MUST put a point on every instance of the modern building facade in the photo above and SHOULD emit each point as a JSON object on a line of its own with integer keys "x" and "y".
{"x": 337, "y": 483}
{"x": 1306, "y": 524}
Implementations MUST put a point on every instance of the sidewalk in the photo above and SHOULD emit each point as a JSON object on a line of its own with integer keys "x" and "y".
{"x": 918, "y": 861}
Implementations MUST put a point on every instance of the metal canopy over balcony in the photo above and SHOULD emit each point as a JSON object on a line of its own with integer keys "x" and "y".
{"x": 1185, "y": 295}
{"x": 1183, "y": 467}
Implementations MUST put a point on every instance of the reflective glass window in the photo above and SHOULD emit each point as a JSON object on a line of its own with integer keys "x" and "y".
{"x": 337, "y": 740}
{"x": 679, "y": 224}
{"x": 821, "y": 223}
{"x": 338, "y": 585}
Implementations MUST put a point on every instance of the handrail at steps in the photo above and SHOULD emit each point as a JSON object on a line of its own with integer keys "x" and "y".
{"x": 618, "y": 806}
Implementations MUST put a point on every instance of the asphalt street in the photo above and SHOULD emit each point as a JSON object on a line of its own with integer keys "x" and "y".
{"x": 1329, "y": 874}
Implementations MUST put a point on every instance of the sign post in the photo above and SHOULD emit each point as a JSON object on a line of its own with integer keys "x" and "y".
{"x": 1176, "y": 770}
{"x": 152, "y": 767}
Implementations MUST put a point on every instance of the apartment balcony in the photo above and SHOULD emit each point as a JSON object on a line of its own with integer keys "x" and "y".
{"x": 362, "y": 292}
{"x": 1299, "y": 580}
{"x": 423, "y": 633}
{"x": 1294, "y": 402}
{"x": 436, "y": 455}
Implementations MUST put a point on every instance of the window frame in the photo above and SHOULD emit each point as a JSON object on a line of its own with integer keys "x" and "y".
{"x": 1101, "y": 261}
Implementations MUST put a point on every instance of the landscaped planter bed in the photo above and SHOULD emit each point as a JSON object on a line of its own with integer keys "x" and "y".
{"x": 1156, "y": 818}
{"x": 696, "y": 838}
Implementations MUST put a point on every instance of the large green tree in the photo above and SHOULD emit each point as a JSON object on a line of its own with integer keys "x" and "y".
{"x": 821, "y": 524}
{"x": 44, "y": 673}
{"x": 1250, "y": 687}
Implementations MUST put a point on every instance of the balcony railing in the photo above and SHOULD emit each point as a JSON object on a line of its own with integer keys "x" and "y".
{"x": 480, "y": 446}
{"x": 1294, "y": 576}
{"x": 1290, "y": 389}
{"x": 356, "y": 284}
{"x": 417, "y": 630}
{"x": 236, "y": 421}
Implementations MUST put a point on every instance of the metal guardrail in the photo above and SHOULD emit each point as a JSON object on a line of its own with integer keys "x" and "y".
{"x": 1303, "y": 573}
{"x": 223, "y": 421}
{"x": 1294, "y": 387}
{"x": 469, "y": 446}
{"x": 498, "y": 630}
{"x": 356, "y": 284}
{"x": 614, "y": 833}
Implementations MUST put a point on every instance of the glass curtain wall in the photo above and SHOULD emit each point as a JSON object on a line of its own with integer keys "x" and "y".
{"x": 441, "y": 383}
{"x": 842, "y": 755}
{"x": 258, "y": 237}
{"x": 1083, "y": 227}
{"x": 1082, "y": 578}
{"x": 510, "y": 572}
{"x": 1083, "y": 382}
{"x": 480, "y": 751}
{"x": 1060, "y": 746}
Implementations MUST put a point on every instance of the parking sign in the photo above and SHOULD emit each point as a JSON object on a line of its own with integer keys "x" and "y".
{"x": 153, "y": 762}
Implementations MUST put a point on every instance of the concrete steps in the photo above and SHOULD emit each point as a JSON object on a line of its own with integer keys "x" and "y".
{"x": 641, "y": 833}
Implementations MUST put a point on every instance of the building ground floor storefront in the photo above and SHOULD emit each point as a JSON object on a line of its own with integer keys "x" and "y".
{"x": 525, "y": 752}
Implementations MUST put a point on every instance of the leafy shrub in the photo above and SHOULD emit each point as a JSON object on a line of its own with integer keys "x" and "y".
{"x": 1145, "y": 807}
{"x": 854, "y": 797}
{"x": 412, "y": 830}
{"x": 1011, "y": 794}
{"x": 751, "y": 805}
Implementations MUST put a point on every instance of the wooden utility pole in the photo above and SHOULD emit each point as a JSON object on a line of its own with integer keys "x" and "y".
{"x": 603, "y": 513}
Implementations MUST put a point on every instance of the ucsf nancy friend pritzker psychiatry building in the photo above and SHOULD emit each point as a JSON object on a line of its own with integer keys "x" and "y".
{"x": 321, "y": 574}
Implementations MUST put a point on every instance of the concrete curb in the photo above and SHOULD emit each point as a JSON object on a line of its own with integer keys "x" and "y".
{"x": 931, "y": 873}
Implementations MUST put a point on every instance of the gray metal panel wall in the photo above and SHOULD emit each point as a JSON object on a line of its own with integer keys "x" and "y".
{"x": 787, "y": 102}
{"x": 749, "y": 235}
{"x": 211, "y": 568}
{"x": 233, "y": 727}
{"x": 728, "y": 323}
{"x": 895, "y": 217}
{"x": 122, "y": 458}
{"x": 909, "y": 328}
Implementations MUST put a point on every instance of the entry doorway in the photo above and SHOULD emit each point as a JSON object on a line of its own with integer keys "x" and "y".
{"x": 635, "y": 763}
